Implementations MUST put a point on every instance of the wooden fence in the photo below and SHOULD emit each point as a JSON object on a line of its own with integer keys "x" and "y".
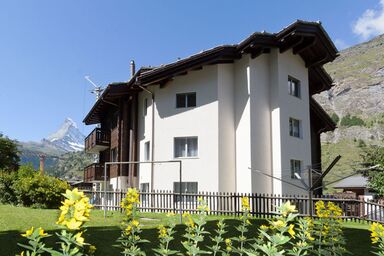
{"x": 261, "y": 205}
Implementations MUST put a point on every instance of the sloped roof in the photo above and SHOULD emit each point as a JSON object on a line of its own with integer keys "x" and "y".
{"x": 308, "y": 39}
{"x": 357, "y": 181}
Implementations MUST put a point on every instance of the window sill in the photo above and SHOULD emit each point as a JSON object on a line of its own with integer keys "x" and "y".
{"x": 186, "y": 157}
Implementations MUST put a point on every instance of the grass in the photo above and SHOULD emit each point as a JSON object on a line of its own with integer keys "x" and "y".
{"x": 104, "y": 232}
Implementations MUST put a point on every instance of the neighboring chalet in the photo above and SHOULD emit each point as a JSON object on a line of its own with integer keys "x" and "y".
{"x": 221, "y": 111}
{"x": 356, "y": 185}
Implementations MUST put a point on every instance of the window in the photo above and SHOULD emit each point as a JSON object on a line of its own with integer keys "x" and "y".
{"x": 185, "y": 147}
{"x": 145, "y": 106}
{"x": 187, "y": 188}
{"x": 186, "y": 100}
{"x": 295, "y": 168}
{"x": 294, "y": 127}
{"x": 114, "y": 155}
{"x": 144, "y": 187}
{"x": 146, "y": 150}
{"x": 294, "y": 87}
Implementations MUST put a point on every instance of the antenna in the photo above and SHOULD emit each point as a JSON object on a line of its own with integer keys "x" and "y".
{"x": 97, "y": 90}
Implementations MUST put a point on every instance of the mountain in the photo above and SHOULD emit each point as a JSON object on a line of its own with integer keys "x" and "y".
{"x": 67, "y": 138}
{"x": 63, "y": 150}
{"x": 358, "y": 74}
{"x": 356, "y": 103}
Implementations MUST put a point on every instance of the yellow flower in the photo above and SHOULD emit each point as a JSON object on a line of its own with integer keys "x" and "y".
{"x": 287, "y": 208}
{"x": 41, "y": 232}
{"x": 73, "y": 224}
{"x": 171, "y": 214}
{"x": 135, "y": 223}
{"x": 28, "y": 233}
{"x": 245, "y": 203}
{"x": 291, "y": 231}
{"x": 92, "y": 249}
{"x": 22, "y": 253}
{"x": 75, "y": 209}
{"x": 162, "y": 231}
{"x": 128, "y": 229}
{"x": 79, "y": 238}
{"x": 278, "y": 224}
{"x": 264, "y": 227}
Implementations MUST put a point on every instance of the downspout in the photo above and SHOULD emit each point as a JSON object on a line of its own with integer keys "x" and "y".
{"x": 152, "y": 134}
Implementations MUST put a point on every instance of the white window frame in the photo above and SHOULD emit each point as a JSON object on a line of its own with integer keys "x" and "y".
{"x": 185, "y": 95}
{"x": 147, "y": 150}
{"x": 294, "y": 87}
{"x": 295, "y": 124}
{"x": 186, "y": 147}
{"x": 296, "y": 167}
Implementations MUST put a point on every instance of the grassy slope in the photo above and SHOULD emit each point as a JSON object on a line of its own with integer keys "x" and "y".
{"x": 103, "y": 233}
{"x": 350, "y": 157}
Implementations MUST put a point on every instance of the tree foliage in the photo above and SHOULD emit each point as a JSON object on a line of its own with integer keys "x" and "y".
{"x": 349, "y": 121}
{"x": 374, "y": 156}
{"x": 9, "y": 154}
{"x": 335, "y": 118}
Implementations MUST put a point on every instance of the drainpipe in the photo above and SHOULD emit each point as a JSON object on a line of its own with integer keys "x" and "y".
{"x": 152, "y": 134}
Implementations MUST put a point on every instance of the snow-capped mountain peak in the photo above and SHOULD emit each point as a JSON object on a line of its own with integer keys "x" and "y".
{"x": 67, "y": 137}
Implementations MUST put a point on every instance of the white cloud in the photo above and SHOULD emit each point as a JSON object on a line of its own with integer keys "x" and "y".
{"x": 341, "y": 44}
{"x": 371, "y": 23}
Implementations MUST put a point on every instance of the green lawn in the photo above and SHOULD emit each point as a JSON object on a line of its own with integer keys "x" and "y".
{"x": 103, "y": 232}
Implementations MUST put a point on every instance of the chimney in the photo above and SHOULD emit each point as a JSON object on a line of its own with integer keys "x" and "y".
{"x": 133, "y": 68}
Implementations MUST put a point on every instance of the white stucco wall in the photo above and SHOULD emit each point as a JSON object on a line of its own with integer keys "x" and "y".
{"x": 241, "y": 121}
{"x": 260, "y": 124}
{"x": 243, "y": 125}
{"x": 226, "y": 128}
{"x": 170, "y": 122}
{"x": 286, "y": 147}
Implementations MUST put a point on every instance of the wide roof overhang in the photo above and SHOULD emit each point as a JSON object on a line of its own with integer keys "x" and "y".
{"x": 308, "y": 39}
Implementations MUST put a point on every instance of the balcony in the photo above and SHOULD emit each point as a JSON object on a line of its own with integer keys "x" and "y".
{"x": 95, "y": 172}
{"x": 98, "y": 140}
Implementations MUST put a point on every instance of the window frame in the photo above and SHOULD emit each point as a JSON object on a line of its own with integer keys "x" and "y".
{"x": 292, "y": 122}
{"x": 186, "y": 147}
{"x": 296, "y": 91}
{"x": 294, "y": 169}
{"x": 186, "y": 100}
{"x": 185, "y": 198}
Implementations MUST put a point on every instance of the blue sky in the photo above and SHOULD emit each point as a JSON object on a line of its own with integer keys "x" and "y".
{"x": 47, "y": 47}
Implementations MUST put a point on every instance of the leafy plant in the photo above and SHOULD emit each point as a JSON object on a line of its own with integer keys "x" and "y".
{"x": 129, "y": 239}
{"x": 195, "y": 230}
{"x": 75, "y": 210}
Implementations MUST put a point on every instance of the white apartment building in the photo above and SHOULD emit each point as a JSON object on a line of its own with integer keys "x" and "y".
{"x": 229, "y": 114}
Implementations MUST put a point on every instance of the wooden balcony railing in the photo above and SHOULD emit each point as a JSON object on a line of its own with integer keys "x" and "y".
{"x": 95, "y": 172}
{"x": 98, "y": 140}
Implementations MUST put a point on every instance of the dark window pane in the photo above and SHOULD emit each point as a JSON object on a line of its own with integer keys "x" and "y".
{"x": 179, "y": 147}
{"x": 192, "y": 147}
{"x": 191, "y": 99}
{"x": 180, "y": 101}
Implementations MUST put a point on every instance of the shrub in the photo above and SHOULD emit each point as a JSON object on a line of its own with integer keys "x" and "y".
{"x": 335, "y": 118}
{"x": 7, "y": 193}
{"x": 39, "y": 191}
{"x": 349, "y": 121}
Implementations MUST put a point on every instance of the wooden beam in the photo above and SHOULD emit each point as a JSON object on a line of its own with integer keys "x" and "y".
{"x": 306, "y": 44}
{"x": 319, "y": 61}
{"x": 165, "y": 82}
{"x": 293, "y": 43}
